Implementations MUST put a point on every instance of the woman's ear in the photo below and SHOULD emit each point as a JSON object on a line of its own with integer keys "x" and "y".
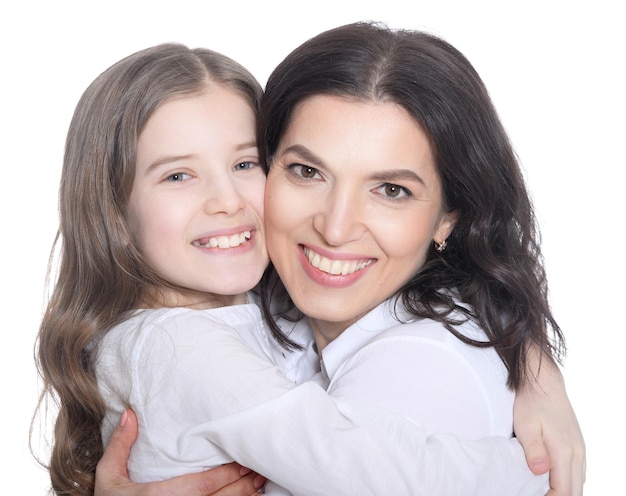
{"x": 446, "y": 225}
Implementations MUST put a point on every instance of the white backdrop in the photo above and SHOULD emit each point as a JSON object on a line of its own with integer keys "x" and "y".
{"x": 554, "y": 69}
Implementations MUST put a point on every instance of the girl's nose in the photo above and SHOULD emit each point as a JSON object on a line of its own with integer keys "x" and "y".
{"x": 223, "y": 197}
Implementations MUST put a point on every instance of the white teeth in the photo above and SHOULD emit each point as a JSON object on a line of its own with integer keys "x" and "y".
{"x": 224, "y": 242}
{"x": 335, "y": 267}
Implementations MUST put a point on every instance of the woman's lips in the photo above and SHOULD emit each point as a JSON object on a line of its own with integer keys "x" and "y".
{"x": 335, "y": 266}
{"x": 333, "y": 272}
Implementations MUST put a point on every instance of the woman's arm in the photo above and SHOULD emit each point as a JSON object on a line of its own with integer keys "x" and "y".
{"x": 547, "y": 428}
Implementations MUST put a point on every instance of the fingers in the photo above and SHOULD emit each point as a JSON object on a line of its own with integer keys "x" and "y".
{"x": 542, "y": 458}
{"x": 529, "y": 433}
{"x": 568, "y": 472}
{"x": 111, "y": 468}
{"x": 225, "y": 480}
{"x": 249, "y": 485}
{"x": 561, "y": 477}
{"x": 547, "y": 428}
{"x": 537, "y": 457}
{"x": 564, "y": 458}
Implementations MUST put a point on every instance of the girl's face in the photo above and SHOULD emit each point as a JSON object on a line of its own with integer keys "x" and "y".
{"x": 353, "y": 203}
{"x": 196, "y": 207}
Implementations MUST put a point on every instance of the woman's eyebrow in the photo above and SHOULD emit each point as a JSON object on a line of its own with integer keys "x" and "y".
{"x": 383, "y": 176}
{"x": 304, "y": 153}
{"x": 392, "y": 175}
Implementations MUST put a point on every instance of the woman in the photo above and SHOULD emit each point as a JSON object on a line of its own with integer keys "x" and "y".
{"x": 359, "y": 243}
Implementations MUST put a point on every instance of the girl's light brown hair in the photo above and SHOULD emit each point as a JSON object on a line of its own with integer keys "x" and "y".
{"x": 101, "y": 273}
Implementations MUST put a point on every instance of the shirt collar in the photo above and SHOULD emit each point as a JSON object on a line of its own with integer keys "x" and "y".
{"x": 388, "y": 314}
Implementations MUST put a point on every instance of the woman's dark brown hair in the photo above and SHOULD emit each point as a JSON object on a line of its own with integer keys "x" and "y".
{"x": 492, "y": 270}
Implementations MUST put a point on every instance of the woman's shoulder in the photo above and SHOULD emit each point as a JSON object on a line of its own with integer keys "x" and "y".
{"x": 432, "y": 329}
{"x": 424, "y": 360}
{"x": 431, "y": 339}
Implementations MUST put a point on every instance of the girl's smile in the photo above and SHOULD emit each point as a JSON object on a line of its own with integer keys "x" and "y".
{"x": 224, "y": 241}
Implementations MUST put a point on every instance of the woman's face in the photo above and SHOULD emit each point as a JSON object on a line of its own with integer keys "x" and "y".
{"x": 353, "y": 203}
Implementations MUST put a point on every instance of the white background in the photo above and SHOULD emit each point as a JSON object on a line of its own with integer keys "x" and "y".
{"x": 555, "y": 72}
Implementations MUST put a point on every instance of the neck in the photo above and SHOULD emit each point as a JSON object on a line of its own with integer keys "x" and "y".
{"x": 197, "y": 300}
{"x": 325, "y": 331}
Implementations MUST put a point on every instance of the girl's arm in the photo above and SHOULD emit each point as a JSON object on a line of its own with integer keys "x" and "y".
{"x": 112, "y": 475}
{"x": 359, "y": 449}
{"x": 547, "y": 428}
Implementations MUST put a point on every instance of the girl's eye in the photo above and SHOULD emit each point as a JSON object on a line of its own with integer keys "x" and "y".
{"x": 304, "y": 171}
{"x": 177, "y": 177}
{"x": 394, "y": 191}
{"x": 245, "y": 165}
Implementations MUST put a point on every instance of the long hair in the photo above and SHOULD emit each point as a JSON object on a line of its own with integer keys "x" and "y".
{"x": 492, "y": 271}
{"x": 101, "y": 273}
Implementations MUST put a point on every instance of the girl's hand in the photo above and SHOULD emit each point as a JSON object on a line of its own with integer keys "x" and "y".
{"x": 546, "y": 426}
{"x": 112, "y": 476}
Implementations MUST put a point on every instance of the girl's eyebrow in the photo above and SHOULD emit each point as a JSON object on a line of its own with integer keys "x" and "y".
{"x": 166, "y": 159}
{"x": 245, "y": 146}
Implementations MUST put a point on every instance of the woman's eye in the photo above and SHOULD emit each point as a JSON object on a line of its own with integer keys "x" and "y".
{"x": 245, "y": 165}
{"x": 177, "y": 177}
{"x": 394, "y": 191}
{"x": 304, "y": 171}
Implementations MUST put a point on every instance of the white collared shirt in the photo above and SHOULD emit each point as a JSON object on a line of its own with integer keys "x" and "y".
{"x": 421, "y": 371}
{"x": 193, "y": 379}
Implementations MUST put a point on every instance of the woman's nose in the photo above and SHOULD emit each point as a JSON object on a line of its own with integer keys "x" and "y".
{"x": 340, "y": 218}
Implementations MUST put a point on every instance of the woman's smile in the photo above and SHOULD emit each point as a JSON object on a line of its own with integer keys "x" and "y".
{"x": 333, "y": 271}
{"x": 335, "y": 266}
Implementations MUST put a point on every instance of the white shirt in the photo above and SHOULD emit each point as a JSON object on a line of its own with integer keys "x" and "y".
{"x": 190, "y": 377}
{"x": 421, "y": 371}
{"x": 175, "y": 368}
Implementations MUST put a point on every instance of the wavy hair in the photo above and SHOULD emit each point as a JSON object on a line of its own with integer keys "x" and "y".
{"x": 101, "y": 273}
{"x": 492, "y": 270}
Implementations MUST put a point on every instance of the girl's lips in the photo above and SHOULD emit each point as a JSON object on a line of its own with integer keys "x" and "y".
{"x": 333, "y": 272}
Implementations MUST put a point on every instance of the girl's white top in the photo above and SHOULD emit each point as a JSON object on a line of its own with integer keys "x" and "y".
{"x": 393, "y": 409}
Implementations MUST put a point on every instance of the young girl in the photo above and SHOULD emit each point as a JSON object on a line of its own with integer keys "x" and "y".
{"x": 161, "y": 210}
{"x": 161, "y": 222}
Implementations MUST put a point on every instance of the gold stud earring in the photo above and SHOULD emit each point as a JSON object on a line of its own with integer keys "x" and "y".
{"x": 440, "y": 246}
